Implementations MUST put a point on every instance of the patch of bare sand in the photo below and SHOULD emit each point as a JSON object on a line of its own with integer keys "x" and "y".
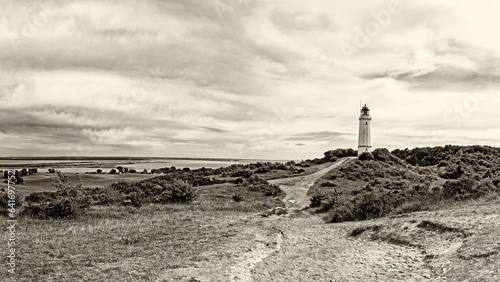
{"x": 314, "y": 251}
{"x": 460, "y": 243}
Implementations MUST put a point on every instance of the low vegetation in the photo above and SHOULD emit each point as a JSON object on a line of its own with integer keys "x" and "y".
{"x": 173, "y": 186}
{"x": 382, "y": 183}
{"x": 68, "y": 201}
{"x": 114, "y": 232}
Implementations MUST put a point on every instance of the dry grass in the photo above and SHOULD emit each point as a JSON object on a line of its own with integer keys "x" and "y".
{"x": 127, "y": 244}
{"x": 43, "y": 181}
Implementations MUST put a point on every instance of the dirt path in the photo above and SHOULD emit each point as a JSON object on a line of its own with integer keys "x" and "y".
{"x": 296, "y": 187}
{"x": 314, "y": 251}
{"x": 310, "y": 250}
{"x": 295, "y": 200}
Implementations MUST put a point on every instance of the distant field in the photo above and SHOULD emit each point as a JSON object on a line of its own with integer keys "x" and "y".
{"x": 43, "y": 181}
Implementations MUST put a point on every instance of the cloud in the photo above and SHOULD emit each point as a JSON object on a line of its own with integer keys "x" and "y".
{"x": 241, "y": 78}
{"x": 293, "y": 21}
{"x": 317, "y": 136}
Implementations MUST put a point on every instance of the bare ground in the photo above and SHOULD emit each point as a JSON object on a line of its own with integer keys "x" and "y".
{"x": 458, "y": 244}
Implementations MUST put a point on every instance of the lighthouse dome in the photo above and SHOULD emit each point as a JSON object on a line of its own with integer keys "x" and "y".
{"x": 365, "y": 111}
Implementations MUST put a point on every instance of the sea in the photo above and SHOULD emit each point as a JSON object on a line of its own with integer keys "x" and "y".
{"x": 91, "y": 165}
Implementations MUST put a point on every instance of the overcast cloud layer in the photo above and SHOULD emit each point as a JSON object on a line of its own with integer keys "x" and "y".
{"x": 244, "y": 79}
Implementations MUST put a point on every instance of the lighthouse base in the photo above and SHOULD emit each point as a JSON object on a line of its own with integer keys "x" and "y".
{"x": 364, "y": 149}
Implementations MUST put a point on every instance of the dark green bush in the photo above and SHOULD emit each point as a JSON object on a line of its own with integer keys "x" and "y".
{"x": 342, "y": 211}
{"x": 38, "y": 197}
{"x": 457, "y": 189}
{"x": 336, "y": 154}
{"x": 366, "y": 156}
{"x": 324, "y": 201}
{"x": 182, "y": 191}
{"x": 68, "y": 202}
{"x": 105, "y": 196}
{"x": 136, "y": 199}
{"x": 328, "y": 184}
{"x": 245, "y": 173}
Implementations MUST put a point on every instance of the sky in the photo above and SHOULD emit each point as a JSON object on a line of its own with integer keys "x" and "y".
{"x": 244, "y": 78}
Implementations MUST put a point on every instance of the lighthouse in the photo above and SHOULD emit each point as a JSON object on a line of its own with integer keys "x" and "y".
{"x": 364, "y": 139}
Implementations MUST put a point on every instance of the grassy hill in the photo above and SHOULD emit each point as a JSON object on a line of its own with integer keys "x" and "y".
{"x": 406, "y": 180}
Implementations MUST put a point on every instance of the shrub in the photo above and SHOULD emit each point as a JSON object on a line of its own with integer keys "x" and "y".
{"x": 237, "y": 198}
{"x": 452, "y": 172}
{"x": 69, "y": 201}
{"x": 263, "y": 170}
{"x": 324, "y": 201}
{"x": 383, "y": 155}
{"x": 123, "y": 187}
{"x": 316, "y": 200}
{"x": 105, "y": 196}
{"x": 366, "y": 206}
{"x": 366, "y": 156}
{"x": 328, "y": 184}
{"x": 457, "y": 189}
{"x": 245, "y": 173}
{"x": 38, "y": 197}
{"x": 182, "y": 191}
{"x": 333, "y": 155}
{"x": 258, "y": 184}
{"x": 272, "y": 190}
{"x": 136, "y": 198}
{"x": 342, "y": 211}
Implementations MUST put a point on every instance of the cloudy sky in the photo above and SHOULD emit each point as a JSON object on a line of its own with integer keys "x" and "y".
{"x": 246, "y": 79}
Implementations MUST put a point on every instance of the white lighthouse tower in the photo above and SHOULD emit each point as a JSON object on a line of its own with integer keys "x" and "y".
{"x": 364, "y": 139}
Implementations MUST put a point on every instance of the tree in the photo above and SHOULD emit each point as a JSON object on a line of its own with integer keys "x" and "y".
{"x": 99, "y": 171}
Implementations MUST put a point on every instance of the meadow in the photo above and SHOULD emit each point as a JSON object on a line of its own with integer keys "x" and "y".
{"x": 209, "y": 224}
{"x": 123, "y": 243}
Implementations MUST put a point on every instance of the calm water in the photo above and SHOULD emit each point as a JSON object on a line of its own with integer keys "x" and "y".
{"x": 106, "y": 165}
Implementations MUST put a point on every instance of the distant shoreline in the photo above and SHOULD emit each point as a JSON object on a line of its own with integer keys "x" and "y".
{"x": 118, "y": 158}
{"x": 104, "y": 162}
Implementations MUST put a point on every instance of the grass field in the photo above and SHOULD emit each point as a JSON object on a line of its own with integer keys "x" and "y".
{"x": 127, "y": 244}
{"x": 43, "y": 181}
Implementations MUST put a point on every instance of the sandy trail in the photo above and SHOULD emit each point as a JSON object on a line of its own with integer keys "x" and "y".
{"x": 314, "y": 251}
{"x": 311, "y": 250}
{"x": 296, "y": 187}
{"x": 297, "y": 246}
{"x": 296, "y": 199}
